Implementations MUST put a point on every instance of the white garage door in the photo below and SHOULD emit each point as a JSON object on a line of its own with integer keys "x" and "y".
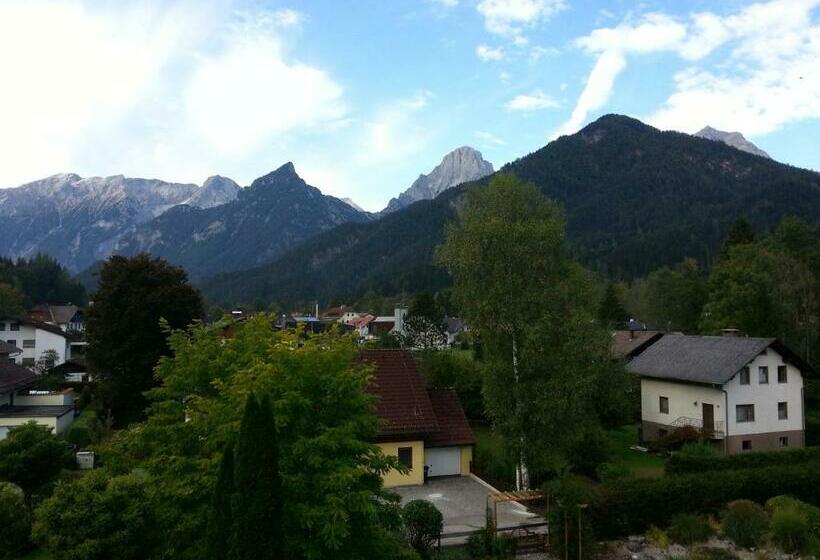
{"x": 4, "y": 431}
{"x": 443, "y": 461}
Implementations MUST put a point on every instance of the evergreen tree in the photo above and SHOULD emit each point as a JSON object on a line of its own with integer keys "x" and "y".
{"x": 220, "y": 522}
{"x": 257, "y": 529}
{"x": 741, "y": 233}
{"x": 611, "y": 313}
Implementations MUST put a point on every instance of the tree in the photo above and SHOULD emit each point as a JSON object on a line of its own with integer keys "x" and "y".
{"x": 31, "y": 456}
{"x": 45, "y": 363}
{"x": 424, "y": 327}
{"x": 741, "y": 233}
{"x": 221, "y": 521}
{"x": 11, "y": 300}
{"x": 611, "y": 313}
{"x": 423, "y": 524}
{"x": 15, "y": 522}
{"x": 673, "y": 298}
{"x": 530, "y": 305}
{"x": 123, "y": 326}
{"x": 257, "y": 527}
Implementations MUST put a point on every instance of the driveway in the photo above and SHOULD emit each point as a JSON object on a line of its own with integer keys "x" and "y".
{"x": 462, "y": 500}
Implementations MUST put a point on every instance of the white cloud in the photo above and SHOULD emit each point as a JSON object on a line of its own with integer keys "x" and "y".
{"x": 538, "y": 52}
{"x": 749, "y": 71}
{"x": 531, "y": 102}
{"x": 489, "y": 139}
{"x": 511, "y": 17}
{"x": 486, "y": 53}
{"x": 288, "y": 17}
{"x": 446, "y": 3}
{"x": 395, "y": 132}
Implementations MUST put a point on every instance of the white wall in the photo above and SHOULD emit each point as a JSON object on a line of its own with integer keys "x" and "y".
{"x": 682, "y": 398}
{"x": 43, "y": 340}
{"x": 765, "y": 398}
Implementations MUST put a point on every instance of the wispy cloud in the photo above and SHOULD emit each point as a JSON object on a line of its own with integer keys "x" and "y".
{"x": 534, "y": 101}
{"x": 511, "y": 17}
{"x": 489, "y": 139}
{"x": 487, "y": 53}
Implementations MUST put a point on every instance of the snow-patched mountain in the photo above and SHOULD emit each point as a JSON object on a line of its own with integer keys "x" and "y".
{"x": 733, "y": 139}
{"x": 214, "y": 191}
{"x": 274, "y": 214}
{"x": 459, "y": 166}
{"x": 78, "y": 220}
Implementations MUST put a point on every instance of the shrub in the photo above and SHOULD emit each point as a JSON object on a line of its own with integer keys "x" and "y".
{"x": 487, "y": 545}
{"x": 676, "y": 439}
{"x": 589, "y": 452}
{"x": 699, "y": 450}
{"x": 31, "y": 456}
{"x": 568, "y": 494}
{"x": 14, "y": 522}
{"x": 689, "y": 529}
{"x": 423, "y": 523}
{"x": 791, "y": 529}
{"x": 811, "y": 512}
{"x": 687, "y": 463}
{"x": 745, "y": 523}
{"x": 611, "y": 471}
{"x": 657, "y": 537}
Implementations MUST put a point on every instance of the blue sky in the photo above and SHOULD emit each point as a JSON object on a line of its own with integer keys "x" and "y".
{"x": 364, "y": 95}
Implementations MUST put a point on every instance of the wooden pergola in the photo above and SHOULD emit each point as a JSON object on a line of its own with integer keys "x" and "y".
{"x": 516, "y": 496}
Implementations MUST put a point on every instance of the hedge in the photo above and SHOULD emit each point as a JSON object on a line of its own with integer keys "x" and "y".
{"x": 628, "y": 507}
{"x": 682, "y": 463}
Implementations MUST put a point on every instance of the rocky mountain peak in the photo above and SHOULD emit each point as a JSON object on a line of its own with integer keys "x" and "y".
{"x": 733, "y": 139}
{"x": 462, "y": 165}
{"x": 216, "y": 190}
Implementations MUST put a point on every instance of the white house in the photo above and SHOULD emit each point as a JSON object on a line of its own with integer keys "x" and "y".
{"x": 34, "y": 338}
{"x": 389, "y": 324}
{"x": 745, "y": 393}
{"x": 69, "y": 318}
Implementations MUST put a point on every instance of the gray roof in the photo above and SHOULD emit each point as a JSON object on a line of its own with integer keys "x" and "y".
{"x": 34, "y": 411}
{"x": 14, "y": 377}
{"x": 698, "y": 359}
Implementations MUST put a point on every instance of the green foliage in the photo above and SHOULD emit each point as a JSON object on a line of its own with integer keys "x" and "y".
{"x": 423, "y": 524}
{"x": 677, "y": 439}
{"x": 699, "y": 450}
{"x": 257, "y": 505}
{"x": 424, "y": 325}
{"x": 745, "y": 523}
{"x": 458, "y": 370}
{"x": 15, "y": 522}
{"x": 812, "y": 513}
{"x": 671, "y": 298}
{"x": 611, "y": 312}
{"x": 689, "y": 463}
{"x": 791, "y": 530}
{"x": 31, "y": 456}
{"x": 657, "y": 537}
{"x": 589, "y": 452}
{"x": 712, "y": 553}
{"x": 607, "y": 472}
{"x": 569, "y": 523}
{"x": 221, "y": 517}
{"x": 630, "y": 506}
{"x": 487, "y": 544}
{"x": 99, "y": 517}
{"x": 86, "y": 429}
{"x": 492, "y": 460}
{"x": 688, "y": 529}
{"x": 39, "y": 279}
{"x": 518, "y": 291}
{"x": 123, "y": 326}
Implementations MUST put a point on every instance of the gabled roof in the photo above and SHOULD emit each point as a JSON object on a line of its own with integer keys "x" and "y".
{"x": 34, "y": 323}
{"x": 14, "y": 377}
{"x": 403, "y": 405}
{"x": 58, "y": 314}
{"x": 452, "y": 422}
{"x": 629, "y": 343}
{"x": 712, "y": 360}
{"x": 6, "y": 348}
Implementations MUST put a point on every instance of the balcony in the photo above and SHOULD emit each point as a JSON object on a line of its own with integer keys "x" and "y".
{"x": 716, "y": 431}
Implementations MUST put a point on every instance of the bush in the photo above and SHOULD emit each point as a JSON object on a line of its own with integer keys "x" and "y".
{"x": 607, "y": 472}
{"x": 676, "y": 439}
{"x": 811, "y": 512}
{"x": 423, "y": 523}
{"x": 31, "y": 456}
{"x": 791, "y": 529}
{"x": 657, "y": 537}
{"x": 629, "y": 506}
{"x": 568, "y": 494}
{"x": 487, "y": 545}
{"x": 687, "y": 529}
{"x": 589, "y": 453}
{"x": 686, "y": 463}
{"x": 745, "y": 523}
{"x": 14, "y": 522}
{"x": 699, "y": 450}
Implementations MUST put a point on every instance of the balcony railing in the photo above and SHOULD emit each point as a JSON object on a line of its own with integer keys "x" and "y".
{"x": 715, "y": 431}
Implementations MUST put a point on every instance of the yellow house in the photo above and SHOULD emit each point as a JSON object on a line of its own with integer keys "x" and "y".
{"x": 426, "y": 429}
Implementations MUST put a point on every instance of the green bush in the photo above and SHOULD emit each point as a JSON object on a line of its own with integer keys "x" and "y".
{"x": 745, "y": 523}
{"x": 791, "y": 529}
{"x": 630, "y": 506}
{"x": 811, "y": 512}
{"x": 688, "y": 463}
{"x": 486, "y": 544}
{"x": 699, "y": 450}
{"x": 14, "y": 522}
{"x": 567, "y": 494}
{"x": 589, "y": 453}
{"x": 689, "y": 529}
{"x": 676, "y": 439}
{"x": 657, "y": 537}
{"x": 423, "y": 524}
{"x": 607, "y": 472}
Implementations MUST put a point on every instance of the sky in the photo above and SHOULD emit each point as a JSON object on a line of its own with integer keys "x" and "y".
{"x": 363, "y": 96}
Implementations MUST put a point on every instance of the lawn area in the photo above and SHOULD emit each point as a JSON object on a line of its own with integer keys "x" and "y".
{"x": 638, "y": 463}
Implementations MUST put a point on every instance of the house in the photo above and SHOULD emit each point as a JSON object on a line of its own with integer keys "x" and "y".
{"x": 362, "y": 325}
{"x": 342, "y": 314}
{"x": 746, "y": 394}
{"x": 34, "y": 338}
{"x": 426, "y": 429}
{"x": 389, "y": 324}
{"x": 69, "y": 318}
{"x": 627, "y": 344}
{"x": 19, "y": 405}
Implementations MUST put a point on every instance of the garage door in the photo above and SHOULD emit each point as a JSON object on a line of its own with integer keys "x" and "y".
{"x": 4, "y": 431}
{"x": 443, "y": 461}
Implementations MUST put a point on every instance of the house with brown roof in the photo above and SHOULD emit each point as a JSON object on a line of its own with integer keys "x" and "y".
{"x": 426, "y": 429}
{"x": 35, "y": 338}
{"x": 627, "y": 344}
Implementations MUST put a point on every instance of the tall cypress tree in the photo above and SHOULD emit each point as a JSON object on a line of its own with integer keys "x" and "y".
{"x": 220, "y": 522}
{"x": 257, "y": 533}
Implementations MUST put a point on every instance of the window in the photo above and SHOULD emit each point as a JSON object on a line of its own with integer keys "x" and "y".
{"x": 782, "y": 411}
{"x": 664, "y": 405}
{"x": 406, "y": 457}
{"x": 28, "y": 361}
{"x": 2, "y": 326}
{"x": 744, "y": 376}
{"x": 763, "y": 375}
{"x": 746, "y": 445}
{"x": 12, "y": 342}
{"x": 28, "y": 343}
{"x": 782, "y": 374}
{"x": 784, "y": 441}
{"x": 745, "y": 413}
{"x": 14, "y": 326}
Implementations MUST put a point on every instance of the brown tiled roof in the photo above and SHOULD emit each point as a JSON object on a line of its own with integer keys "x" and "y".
{"x": 628, "y": 344}
{"x": 402, "y": 405}
{"x": 13, "y": 376}
{"x": 452, "y": 422}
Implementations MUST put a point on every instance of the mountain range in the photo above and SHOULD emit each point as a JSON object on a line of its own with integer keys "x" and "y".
{"x": 635, "y": 198}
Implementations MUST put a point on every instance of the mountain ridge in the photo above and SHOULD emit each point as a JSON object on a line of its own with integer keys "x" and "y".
{"x": 733, "y": 139}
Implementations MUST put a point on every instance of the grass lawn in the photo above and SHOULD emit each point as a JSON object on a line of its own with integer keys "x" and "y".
{"x": 638, "y": 463}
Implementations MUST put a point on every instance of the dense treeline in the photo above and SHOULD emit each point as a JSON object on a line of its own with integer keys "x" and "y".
{"x": 40, "y": 279}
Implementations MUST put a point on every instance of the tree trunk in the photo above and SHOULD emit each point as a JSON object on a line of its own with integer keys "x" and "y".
{"x": 522, "y": 475}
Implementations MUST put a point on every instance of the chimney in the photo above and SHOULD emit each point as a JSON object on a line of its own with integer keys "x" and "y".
{"x": 729, "y": 332}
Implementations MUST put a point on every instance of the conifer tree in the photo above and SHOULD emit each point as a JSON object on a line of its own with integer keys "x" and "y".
{"x": 257, "y": 533}
{"x": 220, "y": 522}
